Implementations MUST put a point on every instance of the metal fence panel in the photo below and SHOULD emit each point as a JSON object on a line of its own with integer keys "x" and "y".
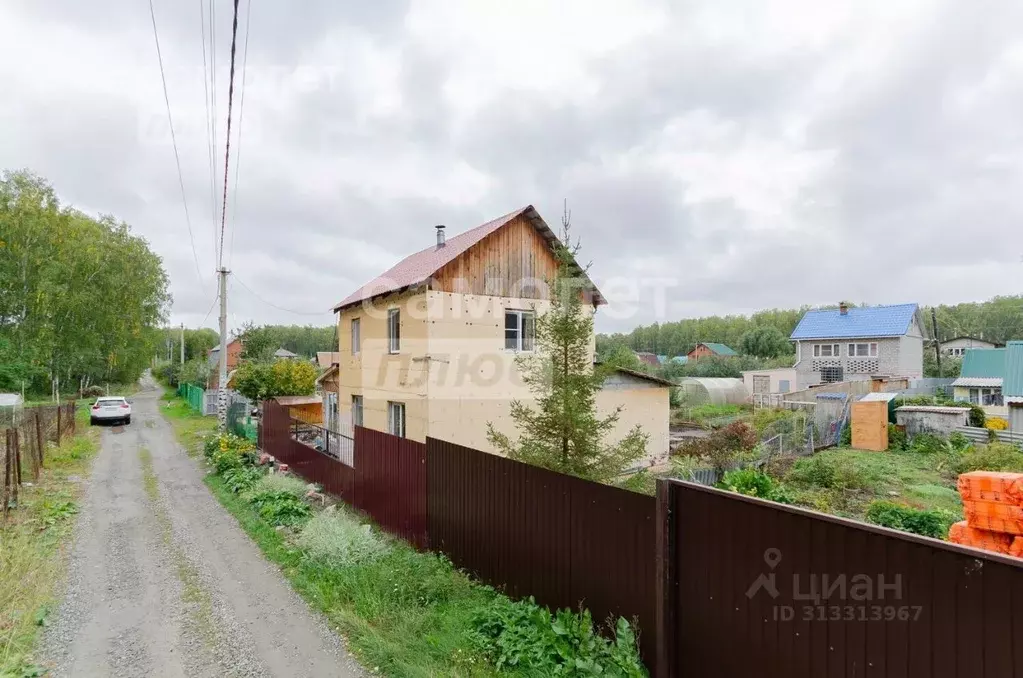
{"x": 983, "y": 435}
{"x": 390, "y": 483}
{"x": 533, "y": 532}
{"x": 809, "y": 595}
{"x": 304, "y": 460}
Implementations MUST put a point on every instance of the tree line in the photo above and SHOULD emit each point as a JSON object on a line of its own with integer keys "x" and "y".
{"x": 81, "y": 298}
{"x": 998, "y": 320}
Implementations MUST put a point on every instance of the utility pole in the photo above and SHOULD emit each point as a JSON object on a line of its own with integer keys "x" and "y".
{"x": 937, "y": 344}
{"x": 222, "y": 380}
{"x": 182, "y": 344}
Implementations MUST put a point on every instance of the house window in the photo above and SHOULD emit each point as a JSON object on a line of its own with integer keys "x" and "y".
{"x": 519, "y": 330}
{"x": 357, "y": 410}
{"x": 394, "y": 330}
{"x": 396, "y": 419}
{"x": 826, "y": 351}
{"x": 863, "y": 350}
{"x": 830, "y": 375}
{"x": 356, "y": 336}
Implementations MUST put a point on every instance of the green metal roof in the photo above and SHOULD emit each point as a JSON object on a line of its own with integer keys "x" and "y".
{"x": 1013, "y": 384}
{"x": 984, "y": 362}
{"x": 719, "y": 349}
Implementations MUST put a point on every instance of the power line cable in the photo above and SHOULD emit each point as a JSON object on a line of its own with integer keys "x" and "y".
{"x": 210, "y": 146}
{"x": 241, "y": 117}
{"x": 215, "y": 297}
{"x": 271, "y": 304}
{"x": 174, "y": 143}
{"x": 227, "y": 144}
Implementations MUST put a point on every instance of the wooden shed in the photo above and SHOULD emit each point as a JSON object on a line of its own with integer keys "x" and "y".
{"x": 307, "y": 408}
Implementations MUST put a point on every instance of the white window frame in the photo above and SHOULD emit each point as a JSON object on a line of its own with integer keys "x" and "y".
{"x": 332, "y": 411}
{"x": 523, "y": 342}
{"x": 836, "y": 351}
{"x": 854, "y": 352}
{"x": 396, "y": 418}
{"x": 393, "y": 330}
{"x": 356, "y": 329}
{"x": 357, "y": 411}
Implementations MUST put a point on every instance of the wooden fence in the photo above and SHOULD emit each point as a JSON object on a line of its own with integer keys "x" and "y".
{"x": 25, "y": 445}
{"x": 721, "y": 584}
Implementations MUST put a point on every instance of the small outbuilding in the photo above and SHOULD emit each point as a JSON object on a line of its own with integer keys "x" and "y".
{"x": 927, "y": 419}
{"x": 713, "y": 391}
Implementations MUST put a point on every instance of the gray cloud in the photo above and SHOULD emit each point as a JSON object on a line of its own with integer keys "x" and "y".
{"x": 759, "y": 157}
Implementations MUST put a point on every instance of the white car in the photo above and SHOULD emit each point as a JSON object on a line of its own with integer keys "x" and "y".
{"x": 113, "y": 408}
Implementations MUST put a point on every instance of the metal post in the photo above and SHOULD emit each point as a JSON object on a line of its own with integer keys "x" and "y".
{"x": 40, "y": 441}
{"x": 222, "y": 374}
{"x": 182, "y": 343}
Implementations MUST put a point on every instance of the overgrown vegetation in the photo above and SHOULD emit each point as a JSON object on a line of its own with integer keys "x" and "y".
{"x": 402, "y": 612}
{"x": 31, "y": 544}
{"x": 724, "y": 447}
{"x": 929, "y": 523}
{"x": 754, "y": 483}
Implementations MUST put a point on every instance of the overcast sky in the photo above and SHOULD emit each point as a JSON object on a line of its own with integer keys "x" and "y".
{"x": 734, "y": 155}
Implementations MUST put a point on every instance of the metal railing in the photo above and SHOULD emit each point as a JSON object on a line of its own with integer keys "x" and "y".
{"x": 331, "y": 443}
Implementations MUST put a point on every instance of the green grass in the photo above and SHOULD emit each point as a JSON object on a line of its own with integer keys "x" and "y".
{"x": 405, "y": 614}
{"x": 31, "y": 544}
{"x": 189, "y": 426}
{"x": 861, "y": 477}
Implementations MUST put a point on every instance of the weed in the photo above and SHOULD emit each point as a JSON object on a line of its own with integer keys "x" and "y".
{"x": 524, "y": 635}
{"x": 55, "y": 512}
{"x": 754, "y": 483}
{"x": 896, "y": 438}
{"x": 279, "y": 508}
{"x": 281, "y": 482}
{"x": 242, "y": 479}
{"x": 932, "y": 523}
{"x": 991, "y": 457}
{"x": 335, "y": 538}
{"x": 641, "y": 481}
{"x": 832, "y": 472}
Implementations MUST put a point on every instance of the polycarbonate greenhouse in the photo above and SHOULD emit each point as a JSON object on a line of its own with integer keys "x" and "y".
{"x": 713, "y": 391}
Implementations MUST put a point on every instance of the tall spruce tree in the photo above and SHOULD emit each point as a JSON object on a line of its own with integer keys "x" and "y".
{"x": 562, "y": 431}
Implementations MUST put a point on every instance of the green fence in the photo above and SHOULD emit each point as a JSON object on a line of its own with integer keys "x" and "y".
{"x": 193, "y": 394}
{"x": 239, "y": 422}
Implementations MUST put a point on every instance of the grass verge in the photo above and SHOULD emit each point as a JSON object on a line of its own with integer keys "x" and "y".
{"x": 31, "y": 545}
{"x": 189, "y": 426}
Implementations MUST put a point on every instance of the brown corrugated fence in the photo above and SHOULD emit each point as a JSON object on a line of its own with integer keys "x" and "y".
{"x": 534, "y": 532}
{"x": 756, "y": 588}
{"x": 721, "y": 585}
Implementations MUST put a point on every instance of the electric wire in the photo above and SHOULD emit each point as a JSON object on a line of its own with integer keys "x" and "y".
{"x": 227, "y": 144}
{"x": 238, "y": 142}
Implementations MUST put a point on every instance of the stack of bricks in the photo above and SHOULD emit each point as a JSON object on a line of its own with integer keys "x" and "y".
{"x": 993, "y": 505}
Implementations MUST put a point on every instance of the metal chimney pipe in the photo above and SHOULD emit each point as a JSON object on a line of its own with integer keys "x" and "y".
{"x": 843, "y": 308}
{"x": 440, "y": 235}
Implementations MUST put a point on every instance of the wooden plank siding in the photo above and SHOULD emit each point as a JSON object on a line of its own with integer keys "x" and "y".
{"x": 514, "y": 261}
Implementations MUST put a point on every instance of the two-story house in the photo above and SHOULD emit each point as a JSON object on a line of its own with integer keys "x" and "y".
{"x": 428, "y": 348}
{"x": 846, "y": 344}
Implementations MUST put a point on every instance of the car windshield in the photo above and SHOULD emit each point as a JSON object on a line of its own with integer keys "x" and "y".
{"x": 109, "y": 401}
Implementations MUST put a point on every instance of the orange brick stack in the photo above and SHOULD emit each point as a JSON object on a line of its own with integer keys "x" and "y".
{"x": 993, "y": 505}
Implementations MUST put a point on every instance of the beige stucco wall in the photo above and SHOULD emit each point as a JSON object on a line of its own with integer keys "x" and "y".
{"x": 647, "y": 408}
{"x": 776, "y": 376}
{"x": 379, "y": 376}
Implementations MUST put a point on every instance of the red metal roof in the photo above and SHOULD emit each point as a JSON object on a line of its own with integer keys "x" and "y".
{"x": 418, "y": 268}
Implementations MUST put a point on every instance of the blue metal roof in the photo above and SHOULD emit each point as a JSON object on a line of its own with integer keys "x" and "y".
{"x": 865, "y": 322}
{"x": 1012, "y": 385}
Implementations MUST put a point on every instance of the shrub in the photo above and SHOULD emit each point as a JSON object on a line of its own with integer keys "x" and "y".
{"x": 959, "y": 442}
{"x": 996, "y": 424}
{"x": 845, "y": 439}
{"x": 896, "y": 438}
{"x": 93, "y": 391}
{"x": 279, "y": 508}
{"x": 977, "y": 416}
{"x": 722, "y": 447}
{"x": 754, "y": 483}
{"x": 522, "y": 635}
{"x": 899, "y": 517}
{"x": 991, "y": 457}
{"x": 225, "y": 451}
{"x": 929, "y": 443}
{"x": 336, "y": 538}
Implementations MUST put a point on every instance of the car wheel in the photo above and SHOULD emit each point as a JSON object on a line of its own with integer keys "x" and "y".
{"x": 127, "y": 420}
{"x": 92, "y": 421}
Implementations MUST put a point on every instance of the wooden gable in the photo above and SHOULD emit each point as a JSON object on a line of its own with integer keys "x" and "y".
{"x": 513, "y": 261}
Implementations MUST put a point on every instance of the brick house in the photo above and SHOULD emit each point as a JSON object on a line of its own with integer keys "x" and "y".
{"x": 710, "y": 348}
{"x": 234, "y": 354}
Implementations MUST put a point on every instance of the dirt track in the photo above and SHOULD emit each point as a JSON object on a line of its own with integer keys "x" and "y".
{"x": 163, "y": 581}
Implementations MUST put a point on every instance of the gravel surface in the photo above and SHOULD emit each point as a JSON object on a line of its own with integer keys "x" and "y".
{"x": 163, "y": 581}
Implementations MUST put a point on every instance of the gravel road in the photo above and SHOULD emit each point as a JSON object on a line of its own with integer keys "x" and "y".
{"x": 162, "y": 581}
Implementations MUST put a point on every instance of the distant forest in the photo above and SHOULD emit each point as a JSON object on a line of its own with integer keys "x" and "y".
{"x": 997, "y": 320}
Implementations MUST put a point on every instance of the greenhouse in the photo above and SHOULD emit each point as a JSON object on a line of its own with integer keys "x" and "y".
{"x": 11, "y": 405}
{"x": 713, "y": 391}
